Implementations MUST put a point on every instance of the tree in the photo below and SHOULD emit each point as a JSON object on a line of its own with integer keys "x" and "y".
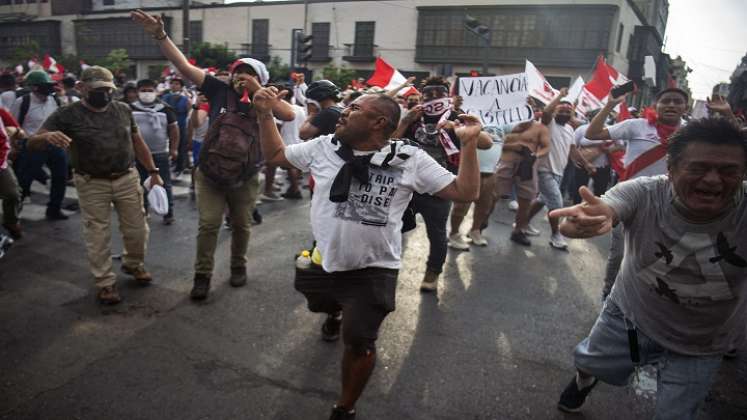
{"x": 279, "y": 71}
{"x": 341, "y": 76}
{"x": 116, "y": 61}
{"x": 212, "y": 55}
{"x": 22, "y": 54}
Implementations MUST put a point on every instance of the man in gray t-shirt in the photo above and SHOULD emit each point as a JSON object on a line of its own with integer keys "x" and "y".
{"x": 682, "y": 289}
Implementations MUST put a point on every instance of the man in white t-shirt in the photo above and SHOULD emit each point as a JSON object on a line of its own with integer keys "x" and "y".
{"x": 680, "y": 300}
{"x": 645, "y": 155}
{"x": 556, "y": 116}
{"x": 364, "y": 182}
{"x": 289, "y": 131}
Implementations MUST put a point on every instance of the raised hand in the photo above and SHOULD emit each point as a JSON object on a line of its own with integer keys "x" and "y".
{"x": 152, "y": 24}
{"x": 718, "y": 104}
{"x": 413, "y": 114}
{"x": 467, "y": 128}
{"x": 266, "y": 98}
{"x": 590, "y": 218}
{"x": 563, "y": 92}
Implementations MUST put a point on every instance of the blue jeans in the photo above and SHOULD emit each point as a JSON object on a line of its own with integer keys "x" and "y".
{"x": 30, "y": 163}
{"x": 682, "y": 381}
{"x": 435, "y": 212}
{"x": 162, "y": 162}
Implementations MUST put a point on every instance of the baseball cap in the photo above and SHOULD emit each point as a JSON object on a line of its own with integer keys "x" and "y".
{"x": 96, "y": 77}
{"x": 259, "y": 68}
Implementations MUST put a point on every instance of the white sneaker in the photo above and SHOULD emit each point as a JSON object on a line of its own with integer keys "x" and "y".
{"x": 557, "y": 241}
{"x": 457, "y": 242}
{"x": 529, "y": 230}
{"x": 476, "y": 237}
{"x": 513, "y": 205}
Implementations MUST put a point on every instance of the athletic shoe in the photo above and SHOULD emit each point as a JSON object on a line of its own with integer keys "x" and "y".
{"x": 529, "y": 230}
{"x": 457, "y": 242}
{"x": 339, "y": 413}
{"x": 168, "y": 220}
{"x": 238, "y": 277}
{"x": 476, "y": 238}
{"x": 557, "y": 241}
{"x": 292, "y": 195}
{"x": 140, "y": 274}
{"x": 513, "y": 205}
{"x": 270, "y": 197}
{"x": 520, "y": 238}
{"x": 331, "y": 327}
{"x": 573, "y": 398}
{"x": 430, "y": 282}
{"x": 201, "y": 287}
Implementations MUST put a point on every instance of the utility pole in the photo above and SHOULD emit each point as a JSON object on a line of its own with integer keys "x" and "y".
{"x": 186, "y": 44}
{"x": 483, "y": 34}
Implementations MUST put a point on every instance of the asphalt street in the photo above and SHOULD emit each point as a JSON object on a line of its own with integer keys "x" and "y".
{"x": 494, "y": 343}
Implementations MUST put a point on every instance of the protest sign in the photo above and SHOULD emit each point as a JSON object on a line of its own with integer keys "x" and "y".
{"x": 496, "y": 100}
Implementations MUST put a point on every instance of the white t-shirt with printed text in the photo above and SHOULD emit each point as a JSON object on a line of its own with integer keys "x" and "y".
{"x": 364, "y": 231}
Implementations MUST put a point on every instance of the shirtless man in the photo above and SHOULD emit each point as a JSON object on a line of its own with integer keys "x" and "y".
{"x": 517, "y": 168}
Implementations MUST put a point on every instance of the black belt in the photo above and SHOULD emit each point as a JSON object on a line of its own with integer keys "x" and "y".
{"x": 111, "y": 176}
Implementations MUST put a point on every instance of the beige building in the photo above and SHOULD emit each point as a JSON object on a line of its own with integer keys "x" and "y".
{"x": 563, "y": 38}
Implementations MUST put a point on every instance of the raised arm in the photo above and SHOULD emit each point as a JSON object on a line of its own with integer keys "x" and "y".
{"x": 273, "y": 148}
{"x": 549, "y": 110}
{"x": 153, "y": 25}
{"x": 466, "y": 186}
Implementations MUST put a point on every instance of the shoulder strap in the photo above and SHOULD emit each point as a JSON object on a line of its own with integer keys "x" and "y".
{"x": 25, "y": 104}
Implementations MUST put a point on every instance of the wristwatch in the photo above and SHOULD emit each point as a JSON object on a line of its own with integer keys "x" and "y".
{"x": 154, "y": 171}
{"x": 195, "y": 107}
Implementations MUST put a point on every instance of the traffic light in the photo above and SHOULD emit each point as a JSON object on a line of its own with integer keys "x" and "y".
{"x": 303, "y": 47}
{"x": 473, "y": 25}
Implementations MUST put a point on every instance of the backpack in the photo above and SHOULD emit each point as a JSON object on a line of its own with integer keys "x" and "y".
{"x": 231, "y": 152}
{"x": 26, "y": 104}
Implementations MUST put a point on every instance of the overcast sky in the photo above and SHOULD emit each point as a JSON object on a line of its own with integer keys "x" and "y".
{"x": 711, "y": 35}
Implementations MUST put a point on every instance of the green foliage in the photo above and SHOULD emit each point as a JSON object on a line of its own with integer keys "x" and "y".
{"x": 22, "y": 54}
{"x": 212, "y": 55}
{"x": 341, "y": 76}
{"x": 117, "y": 61}
{"x": 71, "y": 62}
{"x": 279, "y": 71}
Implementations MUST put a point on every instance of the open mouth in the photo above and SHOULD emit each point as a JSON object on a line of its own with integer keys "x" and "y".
{"x": 707, "y": 194}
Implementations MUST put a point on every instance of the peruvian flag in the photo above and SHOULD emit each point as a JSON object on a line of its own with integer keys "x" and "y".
{"x": 51, "y": 65}
{"x": 539, "y": 87}
{"x": 386, "y": 76}
{"x": 594, "y": 94}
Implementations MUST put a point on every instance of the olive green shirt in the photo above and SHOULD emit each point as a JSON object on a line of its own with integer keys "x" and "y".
{"x": 102, "y": 141}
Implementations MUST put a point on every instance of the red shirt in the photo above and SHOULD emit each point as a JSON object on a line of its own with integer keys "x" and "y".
{"x": 7, "y": 121}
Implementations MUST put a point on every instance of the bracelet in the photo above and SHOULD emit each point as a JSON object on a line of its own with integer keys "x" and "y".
{"x": 154, "y": 171}
{"x": 161, "y": 38}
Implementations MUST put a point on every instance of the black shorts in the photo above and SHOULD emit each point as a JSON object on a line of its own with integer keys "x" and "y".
{"x": 364, "y": 296}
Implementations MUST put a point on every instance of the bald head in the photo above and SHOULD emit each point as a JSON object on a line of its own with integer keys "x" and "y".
{"x": 388, "y": 107}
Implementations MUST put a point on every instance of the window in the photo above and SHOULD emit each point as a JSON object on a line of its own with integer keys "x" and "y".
{"x": 195, "y": 32}
{"x": 619, "y": 37}
{"x": 320, "y": 42}
{"x": 364, "y": 39}
{"x": 108, "y": 2}
{"x": 260, "y": 39}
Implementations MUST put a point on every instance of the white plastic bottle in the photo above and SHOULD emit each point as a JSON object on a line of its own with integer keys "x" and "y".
{"x": 303, "y": 261}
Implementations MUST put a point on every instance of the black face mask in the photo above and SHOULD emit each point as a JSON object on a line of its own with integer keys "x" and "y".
{"x": 411, "y": 105}
{"x": 98, "y": 98}
{"x": 45, "y": 90}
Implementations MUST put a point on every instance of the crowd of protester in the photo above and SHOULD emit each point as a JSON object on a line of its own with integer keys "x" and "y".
{"x": 373, "y": 159}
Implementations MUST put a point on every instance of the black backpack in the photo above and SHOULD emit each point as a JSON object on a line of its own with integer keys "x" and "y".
{"x": 26, "y": 103}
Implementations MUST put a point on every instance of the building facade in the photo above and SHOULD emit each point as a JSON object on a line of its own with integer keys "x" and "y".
{"x": 418, "y": 37}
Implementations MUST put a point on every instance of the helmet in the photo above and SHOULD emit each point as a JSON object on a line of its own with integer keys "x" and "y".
{"x": 37, "y": 77}
{"x": 321, "y": 90}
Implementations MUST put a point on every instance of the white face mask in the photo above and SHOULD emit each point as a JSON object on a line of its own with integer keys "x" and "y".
{"x": 147, "y": 97}
{"x": 436, "y": 107}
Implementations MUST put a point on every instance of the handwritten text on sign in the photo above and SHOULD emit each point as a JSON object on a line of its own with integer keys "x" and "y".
{"x": 496, "y": 100}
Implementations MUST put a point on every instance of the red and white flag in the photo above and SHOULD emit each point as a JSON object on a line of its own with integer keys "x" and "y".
{"x": 32, "y": 63}
{"x": 51, "y": 65}
{"x": 594, "y": 94}
{"x": 539, "y": 87}
{"x": 386, "y": 76}
{"x": 83, "y": 65}
{"x": 19, "y": 69}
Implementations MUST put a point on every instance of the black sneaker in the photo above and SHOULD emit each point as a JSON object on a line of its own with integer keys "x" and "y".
{"x": 520, "y": 238}
{"x": 572, "y": 398}
{"x": 292, "y": 195}
{"x": 201, "y": 287}
{"x": 731, "y": 354}
{"x": 331, "y": 327}
{"x": 238, "y": 277}
{"x": 256, "y": 217}
{"x": 54, "y": 215}
{"x": 339, "y": 413}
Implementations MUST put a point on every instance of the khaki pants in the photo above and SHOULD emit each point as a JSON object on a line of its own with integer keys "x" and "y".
{"x": 483, "y": 205}
{"x": 96, "y": 196}
{"x": 211, "y": 204}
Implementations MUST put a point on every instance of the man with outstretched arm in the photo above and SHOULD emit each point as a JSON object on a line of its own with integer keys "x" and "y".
{"x": 680, "y": 300}
{"x": 364, "y": 183}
